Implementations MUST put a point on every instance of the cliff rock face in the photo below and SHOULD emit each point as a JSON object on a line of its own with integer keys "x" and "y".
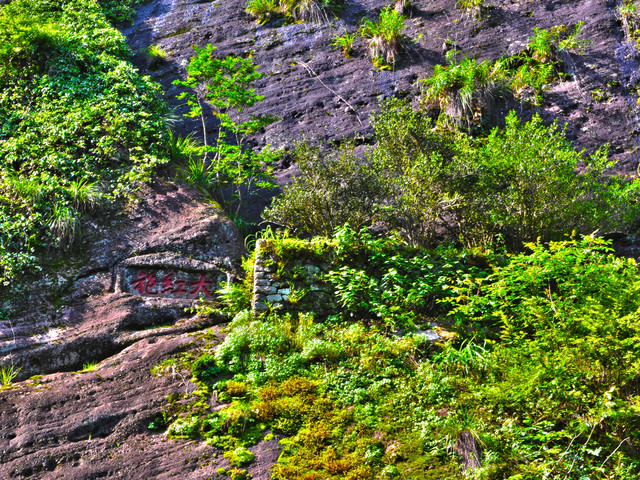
{"x": 95, "y": 310}
{"x": 120, "y": 299}
{"x": 320, "y": 94}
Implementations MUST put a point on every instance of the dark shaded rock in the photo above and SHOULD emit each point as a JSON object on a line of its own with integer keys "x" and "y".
{"x": 468, "y": 447}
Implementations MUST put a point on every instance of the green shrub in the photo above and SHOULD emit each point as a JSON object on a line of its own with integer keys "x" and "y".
{"x": 410, "y": 159}
{"x": 428, "y": 184}
{"x": 468, "y": 91}
{"x": 64, "y": 70}
{"x": 205, "y": 368}
{"x": 522, "y": 184}
{"x": 119, "y": 11}
{"x": 332, "y": 189}
{"x": 345, "y": 42}
{"x": 385, "y": 36}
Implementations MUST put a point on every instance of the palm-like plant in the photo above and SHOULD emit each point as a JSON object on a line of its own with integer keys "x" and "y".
{"x": 345, "y": 42}
{"x": 464, "y": 88}
{"x": 384, "y": 36}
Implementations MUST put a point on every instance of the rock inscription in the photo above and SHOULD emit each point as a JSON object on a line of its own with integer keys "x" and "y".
{"x": 167, "y": 275}
{"x": 172, "y": 284}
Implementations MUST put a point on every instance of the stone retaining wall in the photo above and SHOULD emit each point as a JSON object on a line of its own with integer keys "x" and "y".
{"x": 293, "y": 285}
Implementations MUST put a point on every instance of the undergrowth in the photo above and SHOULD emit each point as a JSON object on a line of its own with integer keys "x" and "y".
{"x": 540, "y": 368}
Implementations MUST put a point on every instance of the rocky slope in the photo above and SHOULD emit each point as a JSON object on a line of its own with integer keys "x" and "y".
{"x": 105, "y": 302}
{"x": 312, "y": 87}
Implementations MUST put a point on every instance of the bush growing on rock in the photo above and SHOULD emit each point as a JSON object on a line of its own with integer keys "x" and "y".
{"x": 316, "y": 11}
{"x": 332, "y": 189}
{"x": 466, "y": 91}
{"x": 427, "y": 183}
{"x": 385, "y": 36}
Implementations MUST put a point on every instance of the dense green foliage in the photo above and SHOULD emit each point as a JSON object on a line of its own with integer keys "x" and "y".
{"x": 118, "y": 11}
{"x": 537, "y": 357}
{"x": 542, "y": 371}
{"x": 333, "y": 189}
{"x": 78, "y": 124}
{"x": 517, "y": 184}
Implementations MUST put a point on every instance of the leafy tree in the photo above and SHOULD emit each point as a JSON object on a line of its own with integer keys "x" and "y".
{"x": 412, "y": 157}
{"x": 428, "y": 183}
{"x": 331, "y": 190}
{"x": 226, "y": 84}
{"x": 522, "y": 183}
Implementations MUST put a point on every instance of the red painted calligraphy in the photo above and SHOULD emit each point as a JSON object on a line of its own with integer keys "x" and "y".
{"x": 167, "y": 284}
{"x": 180, "y": 287}
{"x": 145, "y": 284}
{"x": 201, "y": 286}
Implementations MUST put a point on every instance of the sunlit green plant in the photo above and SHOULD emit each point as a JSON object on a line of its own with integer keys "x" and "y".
{"x": 239, "y": 456}
{"x": 86, "y": 126}
{"x": 471, "y": 8}
{"x": 90, "y": 366}
{"x": 156, "y": 55}
{"x": 182, "y": 148}
{"x": 64, "y": 225}
{"x": 345, "y": 42}
{"x": 465, "y": 90}
{"x": 545, "y": 45}
{"x": 85, "y": 195}
{"x": 156, "y": 51}
{"x": 263, "y": 10}
{"x": 226, "y": 163}
{"x": 8, "y": 373}
{"x": 384, "y": 35}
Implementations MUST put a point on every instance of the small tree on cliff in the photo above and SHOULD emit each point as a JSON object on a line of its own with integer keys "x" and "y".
{"x": 226, "y": 85}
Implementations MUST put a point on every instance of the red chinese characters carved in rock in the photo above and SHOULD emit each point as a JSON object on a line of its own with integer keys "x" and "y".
{"x": 147, "y": 284}
{"x": 201, "y": 286}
